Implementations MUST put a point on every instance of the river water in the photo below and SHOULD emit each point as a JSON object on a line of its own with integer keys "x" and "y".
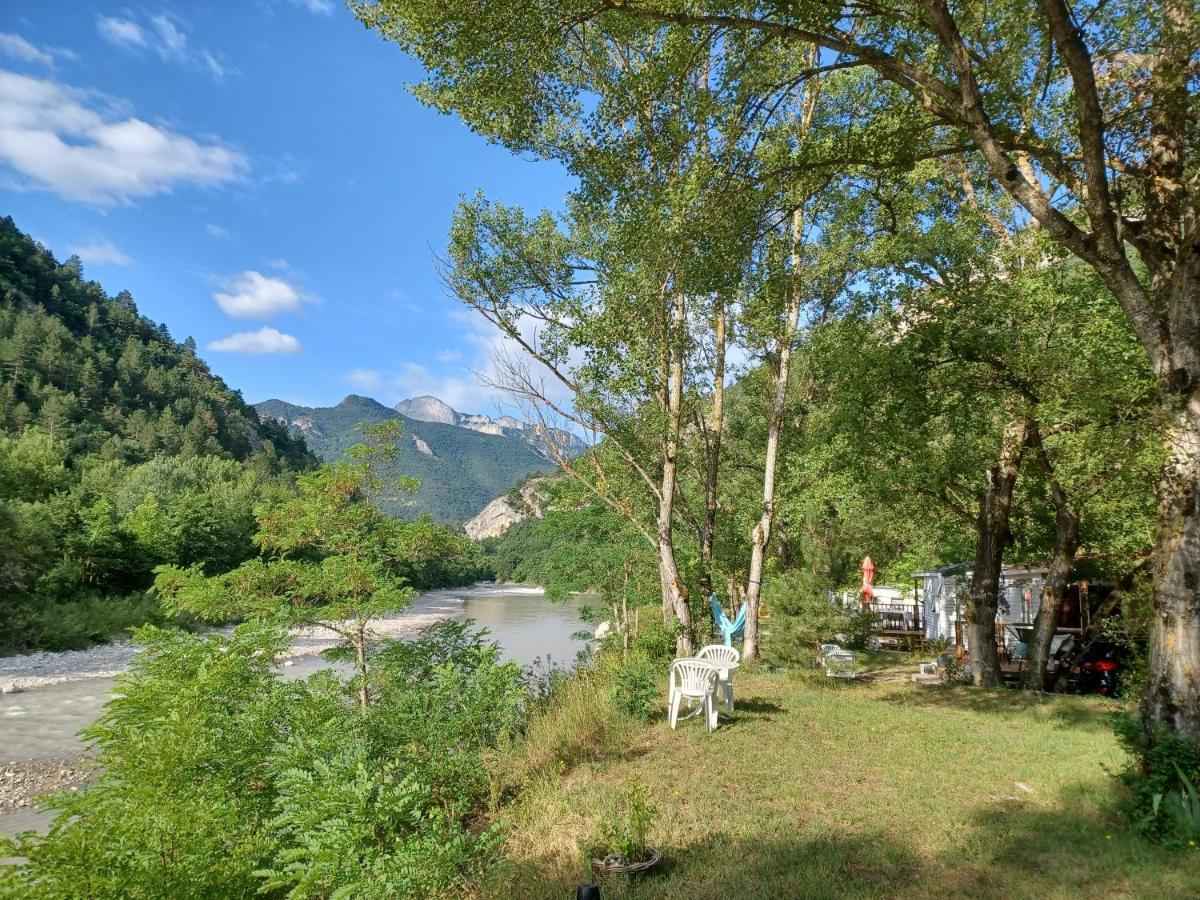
{"x": 43, "y": 722}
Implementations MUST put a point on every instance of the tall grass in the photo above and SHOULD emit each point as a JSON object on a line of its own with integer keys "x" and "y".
{"x": 576, "y": 723}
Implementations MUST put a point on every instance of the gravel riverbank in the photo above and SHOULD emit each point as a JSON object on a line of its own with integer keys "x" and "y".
{"x": 23, "y": 781}
{"x": 34, "y": 670}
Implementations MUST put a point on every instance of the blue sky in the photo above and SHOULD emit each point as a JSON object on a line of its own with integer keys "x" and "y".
{"x": 256, "y": 174}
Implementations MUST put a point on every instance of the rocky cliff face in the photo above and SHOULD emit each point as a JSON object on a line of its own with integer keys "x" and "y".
{"x": 431, "y": 409}
{"x": 428, "y": 409}
{"x": 500, "y": 515}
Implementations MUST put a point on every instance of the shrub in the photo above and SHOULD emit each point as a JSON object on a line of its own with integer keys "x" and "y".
{"x": 637, "y": 687}
{"x": 1163, "y": 801}
{"x": 859, "y": 629}
{"x": 91, "y": 618}
{"x": 802, "y": 619}
{"x": 654, "y": 640}
{"x": 625, "y": 833}
{"x": 220, "y": 779}
{"x": 184, "y": 798}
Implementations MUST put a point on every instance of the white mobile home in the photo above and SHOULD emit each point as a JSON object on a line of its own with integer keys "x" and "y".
{"x": 942, "y": 594}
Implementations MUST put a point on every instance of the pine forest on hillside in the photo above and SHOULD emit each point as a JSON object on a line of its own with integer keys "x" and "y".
{"x": 120, "y": 452}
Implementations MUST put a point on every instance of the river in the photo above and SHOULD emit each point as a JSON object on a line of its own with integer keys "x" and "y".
{"x": 60, "y": 694}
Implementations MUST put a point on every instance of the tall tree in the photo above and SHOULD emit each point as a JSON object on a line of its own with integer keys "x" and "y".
{"x": 1085, "y": 116}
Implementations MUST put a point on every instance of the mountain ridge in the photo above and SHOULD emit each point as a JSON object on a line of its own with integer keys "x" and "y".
{"x": 460, "y": 469}
{"x": 427, "y": 408}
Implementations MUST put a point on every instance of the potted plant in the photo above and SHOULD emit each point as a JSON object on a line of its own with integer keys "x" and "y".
{"x": 622, "y": 847}
{"x": 939, "y": 647}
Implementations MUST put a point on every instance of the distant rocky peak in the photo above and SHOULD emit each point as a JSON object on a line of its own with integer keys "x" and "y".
{"x": 428, "y": 409}
{"x": 544, "y": 441}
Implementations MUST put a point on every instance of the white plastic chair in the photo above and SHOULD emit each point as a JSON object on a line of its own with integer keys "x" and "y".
{"x": 692, "y": 680}
{"x": 718, "y": 654}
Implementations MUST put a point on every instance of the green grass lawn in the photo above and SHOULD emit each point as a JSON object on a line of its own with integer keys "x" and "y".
{"x": 827, "y": 788}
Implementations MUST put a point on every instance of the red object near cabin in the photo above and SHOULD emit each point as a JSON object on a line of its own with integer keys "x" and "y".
{"x": 868, "y": 572}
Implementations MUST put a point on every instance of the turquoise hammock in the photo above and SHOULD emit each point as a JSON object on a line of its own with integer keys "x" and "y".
{"x": 730, "y": 630}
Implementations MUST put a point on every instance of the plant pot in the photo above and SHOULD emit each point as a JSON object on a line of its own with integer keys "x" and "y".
{"x": 613, "y": 866}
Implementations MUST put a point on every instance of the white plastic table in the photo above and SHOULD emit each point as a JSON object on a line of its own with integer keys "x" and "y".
{"x": 724, "y": 670}
{"x": 723, "y": 675}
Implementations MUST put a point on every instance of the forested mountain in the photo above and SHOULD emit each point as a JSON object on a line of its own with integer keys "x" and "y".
{"x": 460, "y": 470}
{"x": 119, "y": 451}
{"x": 90, "y": 370}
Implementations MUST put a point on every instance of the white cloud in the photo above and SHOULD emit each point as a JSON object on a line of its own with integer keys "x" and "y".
{"x": 18, "y": 48}
{"x": 73, "y": 143}
{"x": 172, "y": 42}
{"x": 216, "y": 231}
{"x": 124, "y": 32}
{"x": 253, "y": 295}
{"x": 218, "y": 71}
{"x": 257, "y": 343}
{"x": 492, "y": 347}
{"x": 317, "y": 7}
{"x": 100, "y": 252}
{"x": 464, "y": 376}
{"x": 162, "y": 35}
{"x": 365, "y": 379}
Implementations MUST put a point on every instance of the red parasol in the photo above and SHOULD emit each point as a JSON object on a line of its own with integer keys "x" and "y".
{"x": 868, "y": 570}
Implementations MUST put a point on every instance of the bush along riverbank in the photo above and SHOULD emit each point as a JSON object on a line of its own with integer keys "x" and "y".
{"x": 219, "y": 778}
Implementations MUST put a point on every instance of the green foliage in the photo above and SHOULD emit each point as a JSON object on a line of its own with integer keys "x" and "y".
{"x": 1182, "y": 810}
{"x": 801, "y": 620}
{"x": 91, "y": 371}
{"x": 183, "y": 799}
{"x": 1161, "y": 782}
{"x": 82, "y": 535}
{"x": 637, "y": 687}
{"x": 578, "y": 545}
{"x": 218, "y": 778}
{"x": 466, "y": 471}
{"x": 89, "y": 618}
{"x": 860, "y": 628}
{"x": 119, "y": 451}
{"x": 654, "y": 639}
{"x": 625, "y": 833}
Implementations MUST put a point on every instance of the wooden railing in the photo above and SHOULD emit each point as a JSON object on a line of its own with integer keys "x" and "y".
{"x": 898, "y": 617}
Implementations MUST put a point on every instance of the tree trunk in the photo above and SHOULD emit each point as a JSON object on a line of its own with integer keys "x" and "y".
{"x": 1066, "y": 543}
{"x": 716, "y": 431}
{"x": 1172, "y": 696}
{"x": 992, "y": 537}
{"x": 760, "y": 536}
{"x": 674, "y": 593}
{"x": 360, "y": 653}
